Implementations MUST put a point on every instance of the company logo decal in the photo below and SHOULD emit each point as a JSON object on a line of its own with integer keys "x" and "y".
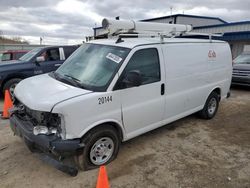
{"x": 211, "y": 55}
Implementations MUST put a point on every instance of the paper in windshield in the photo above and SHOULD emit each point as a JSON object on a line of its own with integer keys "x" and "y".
{"x": 114, "y": 58}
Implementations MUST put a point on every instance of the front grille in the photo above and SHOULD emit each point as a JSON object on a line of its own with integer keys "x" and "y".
{"x": 237, "y": 72}
{"x": 36, "y": 117}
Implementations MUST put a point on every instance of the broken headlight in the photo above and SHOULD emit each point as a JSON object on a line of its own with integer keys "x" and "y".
{"x": 44, "y": 130}
{"x": 50, "y": 124}
{"x": 43, "y": 122}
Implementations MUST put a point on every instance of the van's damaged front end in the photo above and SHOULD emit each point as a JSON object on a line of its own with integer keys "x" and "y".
{"x": 42, "y": 130}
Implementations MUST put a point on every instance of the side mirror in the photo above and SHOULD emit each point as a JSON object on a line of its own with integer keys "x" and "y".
{"x": 40, "y": 59}
{"x": 132, "y": 79}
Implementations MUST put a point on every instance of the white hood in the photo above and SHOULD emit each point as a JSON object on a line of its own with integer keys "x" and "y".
{"x": 42, "y": 92}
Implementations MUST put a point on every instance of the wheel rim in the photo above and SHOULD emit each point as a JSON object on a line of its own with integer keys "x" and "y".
{"x": 101, "y": 151}
{"x": 212, "y": 105}
{"x": 11, "y": 89}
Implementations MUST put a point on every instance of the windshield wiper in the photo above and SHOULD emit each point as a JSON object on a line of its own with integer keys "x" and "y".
{"x": 55, "y": 75}
{"x": 76, "y": 82}
{"x": 73, "y": 78}
{"x": 67, "y": 79}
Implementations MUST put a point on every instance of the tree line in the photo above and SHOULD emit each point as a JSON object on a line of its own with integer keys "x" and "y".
{"x": 13, "y": 39}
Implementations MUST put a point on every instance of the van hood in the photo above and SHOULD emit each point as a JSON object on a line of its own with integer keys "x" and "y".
{"x": 43, "y": 92}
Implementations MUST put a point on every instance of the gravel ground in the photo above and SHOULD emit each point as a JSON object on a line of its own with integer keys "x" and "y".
{"x": 188, "y": 153}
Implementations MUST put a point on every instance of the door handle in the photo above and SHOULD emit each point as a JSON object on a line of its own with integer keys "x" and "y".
{"x": 57, "y": 65}
{"x": 162, "y": 89}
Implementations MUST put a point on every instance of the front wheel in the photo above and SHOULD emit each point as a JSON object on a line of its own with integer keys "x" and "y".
{"x": 211, "y": 106}
{"x": 101, "y": 147}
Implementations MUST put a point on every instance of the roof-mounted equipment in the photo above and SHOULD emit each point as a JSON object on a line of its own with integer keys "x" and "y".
{"x": 116, "y": 27}
{"x": 131, "y": 29}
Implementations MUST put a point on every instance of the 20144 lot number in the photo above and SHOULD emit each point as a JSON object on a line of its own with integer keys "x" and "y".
{"x": 103, "y": 100}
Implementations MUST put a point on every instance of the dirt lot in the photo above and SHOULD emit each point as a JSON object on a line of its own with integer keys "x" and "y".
{"x": 188, "y": 153}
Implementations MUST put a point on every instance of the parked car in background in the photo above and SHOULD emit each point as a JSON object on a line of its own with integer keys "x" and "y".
{"x": 11, "y": 55}
{"x": 241, "y": 70}
{"x": 37, "y": 61}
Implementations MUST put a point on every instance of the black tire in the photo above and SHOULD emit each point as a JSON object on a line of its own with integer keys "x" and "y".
{"x": 10, "y": 85}
{"x": 211, "y": 106}
{"x": 84, "y": 160}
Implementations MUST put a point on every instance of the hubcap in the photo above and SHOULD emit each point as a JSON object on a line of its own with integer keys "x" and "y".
{"x": 212, "y": 105}
{"x": 101, "y": 151}
{"x": 11, "y": 89}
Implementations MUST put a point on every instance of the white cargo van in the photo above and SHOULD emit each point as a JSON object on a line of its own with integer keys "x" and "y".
{"x": 112, "y": 90}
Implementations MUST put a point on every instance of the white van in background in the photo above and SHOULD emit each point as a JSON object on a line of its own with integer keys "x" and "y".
{"x": 112, "y": 90}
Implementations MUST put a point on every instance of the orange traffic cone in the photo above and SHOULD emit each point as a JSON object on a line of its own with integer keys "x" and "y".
{"x": 7, "y": 105}
{"x": 102, "y": 181}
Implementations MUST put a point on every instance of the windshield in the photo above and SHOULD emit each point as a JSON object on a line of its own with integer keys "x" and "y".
{"x": 1, "y": 57}
{"x": 30, "y": 54}
{"x": 93, "y": 65}
{"x": 242, "y": 59}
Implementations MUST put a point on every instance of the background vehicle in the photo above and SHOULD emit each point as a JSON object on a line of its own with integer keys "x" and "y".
{"x": 241, "y": 70}
{"x": 36, "y": 61}
{"x": 11, "y": 55}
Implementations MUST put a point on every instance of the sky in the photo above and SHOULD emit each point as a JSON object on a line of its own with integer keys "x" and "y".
{"x": 70, "y": 21}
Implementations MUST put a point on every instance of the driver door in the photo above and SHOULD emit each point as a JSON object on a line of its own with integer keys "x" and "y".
{"x": 143, "y": 106}
{"x": 52, "y": 61}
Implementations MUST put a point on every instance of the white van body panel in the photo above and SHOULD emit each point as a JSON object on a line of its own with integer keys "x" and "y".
{"x": 190, "y": 70}
{"x": 84, "y": 112}
{"x": 190, "y": 80}
{"x": 144, "y": 101}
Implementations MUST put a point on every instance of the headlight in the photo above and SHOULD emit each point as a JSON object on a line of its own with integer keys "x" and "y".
{"x": 40, "y": 130}
{"x": 44, "y": 130}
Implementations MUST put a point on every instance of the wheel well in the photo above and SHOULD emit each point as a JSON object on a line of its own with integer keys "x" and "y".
{"x": 10, "y": 78}
{"x": 112, "y": 124}
{"x": 218, "y": 91}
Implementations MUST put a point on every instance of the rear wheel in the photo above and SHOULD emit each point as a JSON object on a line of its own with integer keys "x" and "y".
{"x": 10, "y": 85}
{"x": 211, "y": 106}
{"x": 101, "y": 147}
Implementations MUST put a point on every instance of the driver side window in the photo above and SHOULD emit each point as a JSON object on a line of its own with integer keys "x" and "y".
{"x": 51, "y": 55}
{"x": 146, "y": 62}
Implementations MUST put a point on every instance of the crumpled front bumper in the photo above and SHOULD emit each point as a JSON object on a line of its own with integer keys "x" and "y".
{"x": 51, "y": 144}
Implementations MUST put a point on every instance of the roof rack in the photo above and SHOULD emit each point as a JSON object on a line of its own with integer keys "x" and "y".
{"x": 209, "y": 35}
{"x": 130, "y": 28}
